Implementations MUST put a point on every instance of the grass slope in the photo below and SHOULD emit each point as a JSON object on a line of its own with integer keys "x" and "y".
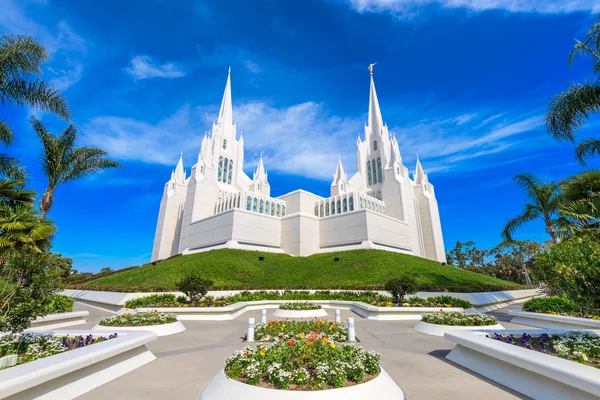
{"x": 238, "y": 269}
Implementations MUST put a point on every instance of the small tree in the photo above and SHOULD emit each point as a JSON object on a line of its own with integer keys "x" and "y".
{"x": 195, "y": 287}
{"x": 466, "y": 255}
{"x": 401, "y": 287}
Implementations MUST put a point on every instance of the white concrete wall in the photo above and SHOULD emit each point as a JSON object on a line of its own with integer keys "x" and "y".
{"x": 256, "y": 229}
{"x": 343, "y": 229}
{"x": 300, "y": 234}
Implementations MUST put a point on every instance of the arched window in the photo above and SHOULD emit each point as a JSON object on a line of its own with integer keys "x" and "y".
{"x": 339, "y": 204}
{"x": 362, "y": 203}
{"x": 351, "y": 203}
{"x": 273, "y": 209}
{"x": 322, "y": 210}
{"x": 248, "y": 203}
{"x": 267, "y": 206}
{"x": 220, "y": 169}
{"x": 345, "y": 205}
{"x": 225, "y": 167}
{"x": 262, "y": 206}
{"x": 229, "y": 175}
{"x": 279, "y": 210}
{"x": 224, "y": 143}
{"x": 327, "y": 209}
{"x": 238, "y": 200}
{"x": 374, "y": 172}
{"x": 379, "y": 172}
{"x": 375, "y": 145}
{"x": 283, "y": 211}
{"x": 369, "y": 172}
{"x": 255, "y": 204}
{"x": 316, "y": 210}
{"x": 332, "y": 207}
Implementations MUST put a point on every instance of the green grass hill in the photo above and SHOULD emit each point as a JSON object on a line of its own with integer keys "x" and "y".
{"x": 239, "y": 269}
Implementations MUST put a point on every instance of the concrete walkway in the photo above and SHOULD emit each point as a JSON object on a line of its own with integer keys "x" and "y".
{"x": 186, "y": 362}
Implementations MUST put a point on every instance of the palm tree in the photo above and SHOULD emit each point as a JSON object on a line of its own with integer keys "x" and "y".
{"x": 580, "y": 206}
{"x": 62, "y": 162}
{"x": 22, "y": 230}
{"x": 544, "y": 203}
{"x": 20, "y": 57}
{"x": 569, "y": 110}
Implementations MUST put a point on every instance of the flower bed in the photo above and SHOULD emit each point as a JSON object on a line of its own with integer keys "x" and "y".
{"x": 459, "y": 319}
{"x": 30, "y": 347}
{"x": 580, "y": 346}
{"x": 559, "y": 305}
{"x": 303, "y": 365}
{"x": 316, "y": 329}
{"x": 372, "y": 298}
{"x": 300, "y": 306}
{"x": 140, "y": 319}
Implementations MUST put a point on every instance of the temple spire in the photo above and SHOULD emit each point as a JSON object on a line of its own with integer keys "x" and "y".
{"x": 226, "y": 112}
{"x": 420, "y": 175}
{"x": 260, "y": 174}
{"x": 179, "y": 170}
{"x": 340, "y": 175}
{"x": 375, "y": 118}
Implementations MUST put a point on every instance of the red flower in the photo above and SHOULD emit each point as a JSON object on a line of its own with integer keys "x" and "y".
{"x": 290, "y": 343}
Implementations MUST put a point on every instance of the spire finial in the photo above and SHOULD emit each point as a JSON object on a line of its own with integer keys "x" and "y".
{"x": 229, "y": 71}
{"x": 371, "y": 68}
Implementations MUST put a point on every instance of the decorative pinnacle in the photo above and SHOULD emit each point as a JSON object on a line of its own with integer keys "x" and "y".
{"x": 229, "y": 71}
{"x": 371, "y": 68}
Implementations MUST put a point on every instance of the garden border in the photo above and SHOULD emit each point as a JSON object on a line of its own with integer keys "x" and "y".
{"x": 550, "y": 321}
{"x": 222, "y": 387}
{"x": 318, "y": 313}
{"x": 75, "y": 372}
{"x": 439, "y": 330}
{"x": 161, "y": 330}
{"x": 58, "y": 320}
{"x": 531, "y": 373}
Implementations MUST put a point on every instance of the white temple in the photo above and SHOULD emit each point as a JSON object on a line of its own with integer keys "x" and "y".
{"x": 219, "y": 206}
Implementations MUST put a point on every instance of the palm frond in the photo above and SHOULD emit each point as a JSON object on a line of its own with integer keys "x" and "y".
{"x": 20, "y": 55}
{"x": 570, "y": 109}
{"x": 589, "y": 47}
{"x": 587, "y": 148}
{"x": 530, "y": 214}
{"x": 11, "y": 168}
{"x": 37, "y": 94}
{"x": 6, "y": 134}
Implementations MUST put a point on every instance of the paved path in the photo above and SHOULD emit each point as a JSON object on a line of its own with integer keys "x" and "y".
{"x": 186, "y": 362}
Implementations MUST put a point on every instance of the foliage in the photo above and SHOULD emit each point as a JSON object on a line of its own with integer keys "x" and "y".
{"x": 304, "y": 365}
{"x": 400, "y": 287}
{"x": 59, "y": 303}
{"x": 580, "y": 346}
{"x": 573, "y": 268}
{"x": 169, "y": 300}
{"x": 543, "y": 203}
{"x": 559, "y": 305}
{"x": 62, "y": 162}
{"x": 466, "y": 255}
{"x": 238, "y": 270}
{"x": 459, "y": 319}
{"x": 105, "y": 270}
{"x": 569, "y": 110}
{"x": 21, "y": 58}
{"x": 273, "y": 331}
{"x": 300, "y": 306}
{"x": 139, "y": 319}
{"x": 194, "y": 286}
{"x": 580, "y": 208}
{"x": 22, "y": 231}
{"x": 31, "y": 347}
{"x": 29, "y": 282}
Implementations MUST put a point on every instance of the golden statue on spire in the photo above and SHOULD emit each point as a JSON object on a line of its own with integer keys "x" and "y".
{"x": 371, "y": 68}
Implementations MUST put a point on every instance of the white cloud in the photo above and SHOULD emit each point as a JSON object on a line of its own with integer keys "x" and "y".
{"x": 143, "y": 67}
{"x": 64, "y": 46}
{"x": 252, "y": 67}
{"x": 410, "y": 8}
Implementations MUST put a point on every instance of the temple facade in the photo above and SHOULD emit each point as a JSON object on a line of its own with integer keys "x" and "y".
{"x": 219, "y": 206}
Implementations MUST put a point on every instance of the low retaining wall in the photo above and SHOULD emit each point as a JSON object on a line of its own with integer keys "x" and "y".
{"x": 534, "y": 374}
{"x": 318, "y": 313}
{"x": 440, "y": 330}
{"x": 160, "y": 330}
{"x": 59, "y": 320}
{"x": 235, "y": 310}
{"x": 75, "y": 372}
{"x": 482, "y": 301}
{"x": 549, "y": 321}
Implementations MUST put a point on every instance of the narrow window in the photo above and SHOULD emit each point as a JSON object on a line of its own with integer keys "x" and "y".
{"x": 230, "y": 172}
{"x": 279, "y": 210}
{"x": 369, "y": 172}
{"x": 373, "y": 166}
{"x": 339, "y": 204}
{"x": 327, "y": 209}
{"x": 220, "y": 169}
{"x": 322, "y": 210}
{"x": 273, "y": 209}
{"x": 238, "y": 200}
{"x": 345, "y": 205}
{"x": 379, "y": 172}
{"x": 332, "y": 207}
{"x": 224, "y": 143}
{"x": 255, "y": 204}
{"x": 351, "y": 203}
{"x": 283, "y": 211}
{"x": 225, "y": 168}
{"x": 375, "y": 145}
{"x": 262, "y": 206}
{"x": 267, "y": 205}
{"x": 248, "y": 203}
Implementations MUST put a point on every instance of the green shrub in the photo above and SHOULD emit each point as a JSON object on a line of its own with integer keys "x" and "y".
{"x": 573, "y": 268}
{"x": 454, "y": 302}
{"x": 557, "y": 304}
{"x": 147, "y": 301}
{"x": 195, "y": 287}
{"x": 401, "y": 287}
{"x": 59, "y": 303}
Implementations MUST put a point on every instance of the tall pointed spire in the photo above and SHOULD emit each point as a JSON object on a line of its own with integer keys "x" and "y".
{"x": 226, "y": 112}
{"x": 420, "y": 175}
{"x": 340, "y": 175}
{"x": 260, "y": 173}
{"x": 375, "y": 118}
{"x": 180, "y": 171}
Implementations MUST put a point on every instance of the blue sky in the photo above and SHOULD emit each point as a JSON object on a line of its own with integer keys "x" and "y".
{"x": 463, "y": 83}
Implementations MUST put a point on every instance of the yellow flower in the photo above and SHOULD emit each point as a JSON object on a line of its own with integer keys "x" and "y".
{"x": 283, "y": 326}
{"x": 262, "y": 352}
{"x": 302, "y": 336}
{"x": 332, "y": 345}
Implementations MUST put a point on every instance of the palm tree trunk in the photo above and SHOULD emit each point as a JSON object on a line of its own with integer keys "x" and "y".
{"x": 46, "y": 203}
{"x": 551, "y": 229}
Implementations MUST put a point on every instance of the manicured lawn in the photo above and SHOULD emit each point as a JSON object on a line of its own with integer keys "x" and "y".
{"x": 238, "y": 269}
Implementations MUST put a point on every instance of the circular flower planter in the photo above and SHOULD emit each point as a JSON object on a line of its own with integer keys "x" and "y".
{"x": 319, "y": 313}
{"x": 161, "y": 330}
{"x": 439, "y": 330}
{"x": 223, "y": 388}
